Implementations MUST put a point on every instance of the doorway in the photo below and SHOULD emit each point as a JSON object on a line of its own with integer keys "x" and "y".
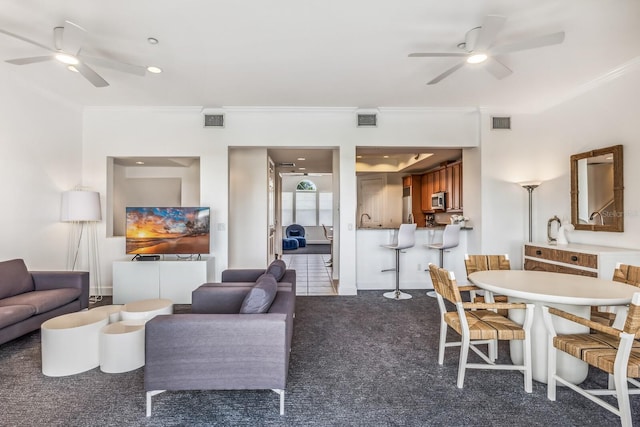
{"x": 306, "y": 189}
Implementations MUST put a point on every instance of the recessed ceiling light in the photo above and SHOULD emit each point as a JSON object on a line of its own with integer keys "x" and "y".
{"x": 358, "y": 157}
{"x": 152, "y": 40}
{"x": 72, "y": 68}
{"x": 386, "y": 157}
{"x": 301, "y": 158}
{"x": 67, "y": 59}
{"x": 477, "y": 58}
{"x": 302, "y": 169}
{"x": 154, "y": 70}
{"x": 139, "y": 163}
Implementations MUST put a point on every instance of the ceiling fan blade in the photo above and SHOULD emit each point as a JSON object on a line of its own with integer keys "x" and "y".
{"x": 138, "y": 70}
{"x": 497, "y": 68}
{"x": 447, "y": 73}
{"x": 31, "y": 60}
{"x": 437, "y": 55}
{"x": 489, "y": 29}
{"x": 73, "y": 37}
{"x": 24, "y": 39}
{"x": 91, "y": 75}
{"x": 546, "y": 40}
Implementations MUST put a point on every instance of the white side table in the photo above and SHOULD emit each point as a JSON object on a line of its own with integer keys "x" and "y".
{"x": 70, "y": 343}
{"x": 146, "y": 309}
{"x": 122, "y": 346}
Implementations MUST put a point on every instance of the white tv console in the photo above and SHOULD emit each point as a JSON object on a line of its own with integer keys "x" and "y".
{"x": 174, "y": 280}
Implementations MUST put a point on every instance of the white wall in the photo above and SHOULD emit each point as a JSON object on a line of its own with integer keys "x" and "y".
{"x": 539, "y": 147}
{"x": 122, "y": 132}
{"x": 40, "y": 157}
{"x": 248, "y": 222}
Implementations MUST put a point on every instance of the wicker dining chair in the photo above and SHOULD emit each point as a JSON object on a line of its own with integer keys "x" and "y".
{"x": 477, "y": 324}
{"x": 629, "y": 274}
{"x": 475, "y": 263}
{"x": 614, "y": 351}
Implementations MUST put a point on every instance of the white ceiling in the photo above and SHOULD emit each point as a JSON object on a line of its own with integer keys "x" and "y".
{"x": 332, "y": 53}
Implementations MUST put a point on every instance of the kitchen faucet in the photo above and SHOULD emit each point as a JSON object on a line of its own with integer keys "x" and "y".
{"x": 364, "y": 214}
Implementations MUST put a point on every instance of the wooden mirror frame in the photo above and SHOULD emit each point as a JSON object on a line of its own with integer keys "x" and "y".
{"x": 618, "y": 189}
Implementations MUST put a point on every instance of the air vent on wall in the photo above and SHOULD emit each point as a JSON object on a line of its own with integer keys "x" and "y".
{"x": 367, "y": 120}
{"x": 500, "y": 122}
{"x": 214, "y": 120}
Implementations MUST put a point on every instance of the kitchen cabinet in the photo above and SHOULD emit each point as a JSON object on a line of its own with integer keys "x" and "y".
{"x": 454, "y": 187}
{"x": 427, "y": 191}
{"x": 412, "y": 187}
{"x": 448, "y": 179}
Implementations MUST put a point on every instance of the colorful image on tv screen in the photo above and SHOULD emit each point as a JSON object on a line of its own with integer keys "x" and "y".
{"x": 178, "y": 230}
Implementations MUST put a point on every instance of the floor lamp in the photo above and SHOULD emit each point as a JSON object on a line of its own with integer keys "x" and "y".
{"x": 82, "y": 208}
{"x": 530, "y": 186}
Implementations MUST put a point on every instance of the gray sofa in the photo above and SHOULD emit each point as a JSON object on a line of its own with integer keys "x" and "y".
{"x": 216, "y": 348}
{"x": 27, "y": 299}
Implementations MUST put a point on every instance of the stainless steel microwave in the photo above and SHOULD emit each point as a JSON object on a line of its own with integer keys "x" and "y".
{"x": 438, "y": 201}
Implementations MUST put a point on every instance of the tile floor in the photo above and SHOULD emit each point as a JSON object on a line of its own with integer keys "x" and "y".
{"x": 313, "y": 277}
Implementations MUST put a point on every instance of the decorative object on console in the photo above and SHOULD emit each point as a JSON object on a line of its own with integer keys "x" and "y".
{"x": 550, "y": 239}
{"x": 530, "y": 186}
{"x": 82, "y": 208}
{"x": 562, "y": 233}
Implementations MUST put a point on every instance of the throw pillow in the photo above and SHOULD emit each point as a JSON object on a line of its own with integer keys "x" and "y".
{"x": 277, "y": 269}
{"x": 260, "y": 297}
{"x": 294, "y": 233}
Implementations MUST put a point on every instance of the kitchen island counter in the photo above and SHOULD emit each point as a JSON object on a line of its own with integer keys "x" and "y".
{"x": 372, "y": 258}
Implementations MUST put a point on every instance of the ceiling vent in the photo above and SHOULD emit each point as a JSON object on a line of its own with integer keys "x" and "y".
{"x": 287, "y": 164}
{"x": 367, "y": 120}
{"x": 214, "y": 120}
{"x": 500, "y": 122}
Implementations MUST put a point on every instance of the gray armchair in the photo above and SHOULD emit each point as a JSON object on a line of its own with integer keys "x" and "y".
{"x": 201, "y": 350}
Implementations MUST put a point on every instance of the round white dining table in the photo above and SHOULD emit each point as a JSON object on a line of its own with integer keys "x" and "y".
{"x": 571, "y": 293}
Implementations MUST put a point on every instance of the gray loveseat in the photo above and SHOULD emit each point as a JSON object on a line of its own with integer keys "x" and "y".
{"x": 216, "y": 348}
{"x": 27, "y": 299}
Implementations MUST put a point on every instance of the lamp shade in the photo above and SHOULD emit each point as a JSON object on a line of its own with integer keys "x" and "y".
{"x": 80, "y": 205}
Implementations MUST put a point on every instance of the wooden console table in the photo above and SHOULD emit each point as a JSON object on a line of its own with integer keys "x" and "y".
{"x": 583, "y": 260}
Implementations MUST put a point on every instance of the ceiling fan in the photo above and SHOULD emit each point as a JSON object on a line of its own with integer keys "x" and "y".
{"x": 478, "y": 48}
{"x": 68, "y": 42}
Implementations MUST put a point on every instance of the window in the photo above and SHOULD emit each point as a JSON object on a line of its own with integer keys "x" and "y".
{"x": 325, "y": 208}
{"x": 287, "y": 208}
{"x": 306, "y": 185}
{"x": 306, "y": 206}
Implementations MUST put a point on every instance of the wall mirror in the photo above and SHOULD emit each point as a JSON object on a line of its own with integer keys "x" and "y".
{"x": 597, "y": 190}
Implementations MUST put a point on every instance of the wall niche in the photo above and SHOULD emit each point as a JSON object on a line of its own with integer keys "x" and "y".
{"x": 149, "y": 181}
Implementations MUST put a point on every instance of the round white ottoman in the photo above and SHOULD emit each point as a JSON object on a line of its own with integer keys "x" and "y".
{"x": 70, "y": 343}
{"x": 122, "y": 346}
{"x": 146, "y": 309}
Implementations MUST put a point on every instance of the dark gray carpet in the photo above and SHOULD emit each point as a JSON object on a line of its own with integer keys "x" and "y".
{"x": 356, "y": 361}
{"x": 310, "y": 249}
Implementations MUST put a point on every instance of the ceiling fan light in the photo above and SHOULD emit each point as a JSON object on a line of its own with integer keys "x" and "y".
{"x": 154, "y": 70}
{"x": 67, "y": 59}
{"x": 477, "y": 58}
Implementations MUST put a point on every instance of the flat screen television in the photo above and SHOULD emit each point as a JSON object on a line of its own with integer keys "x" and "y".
{"x": 167, "y": 230}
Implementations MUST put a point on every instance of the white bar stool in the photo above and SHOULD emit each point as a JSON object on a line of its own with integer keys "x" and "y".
{"x": 406, "y": 238}
{"x": 450, "y": 239}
